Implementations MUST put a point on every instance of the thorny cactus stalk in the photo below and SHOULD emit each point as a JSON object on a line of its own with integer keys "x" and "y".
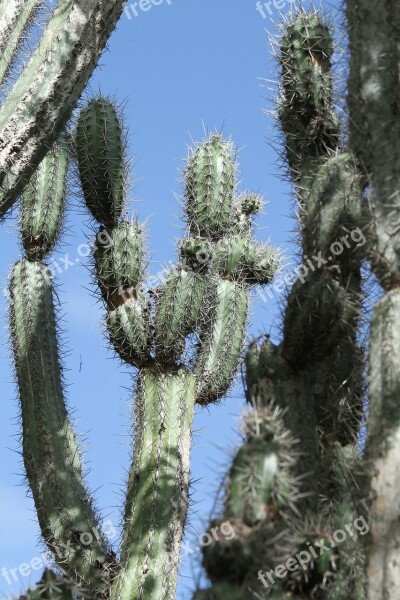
{"x": 42, "y": 99}
{"x": 185, "y": 339}
{"x": 374, "y": 133}
{"x": 50, "y": 449}
{"x": 292, "y": 484}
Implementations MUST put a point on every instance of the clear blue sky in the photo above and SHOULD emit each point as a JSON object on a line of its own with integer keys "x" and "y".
{"x": 181, "y": 66}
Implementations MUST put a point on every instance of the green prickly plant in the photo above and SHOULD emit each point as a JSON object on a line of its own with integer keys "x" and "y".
{"x": 314, "y": 376}
{"x": 50, "y": 449}
{"x": 205, "y": 294}
{"x": 39, "y": 104}
{"x": 204, "y": 297}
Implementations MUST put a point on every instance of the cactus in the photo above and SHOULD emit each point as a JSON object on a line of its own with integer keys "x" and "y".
{"x": 204, "y": 297}
{"x": 51, "y": 587}
{"x": 297, "y": 526}
{"x": 50, "y": 449}
{"x": 292, "y": 485}
{"x": 206, "y": 293}
{"x": 374, "y": 126}
{"x": 40, "y": 103}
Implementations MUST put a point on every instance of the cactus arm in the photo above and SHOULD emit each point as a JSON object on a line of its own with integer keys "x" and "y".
{"x": 43, "y": 203}
{"x": 382, "y": 449}
{"x": 50, "y": 450}
{"x": 210, "y": 186}
{"x": 179, "y": 307}
{"x": 221, "y": 340}
{"x": 43, "y": 98}
{"x": 52, "y": 587}
{"x": 157, "y": 495}
{"x": 15, "y": 17}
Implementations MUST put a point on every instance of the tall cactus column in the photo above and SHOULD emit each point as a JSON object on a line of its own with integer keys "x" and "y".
{"x": 50, "y": 449}
{"x": 206, "y": 294}
{"x": 375, "y": 127}
{"x": 293, "y": 481}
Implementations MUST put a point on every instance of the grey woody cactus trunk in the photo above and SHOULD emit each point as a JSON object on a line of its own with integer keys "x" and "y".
{"x": 205, "y": 294}
{"x": 292, "y": 485}
{"x": 374, "y": 87}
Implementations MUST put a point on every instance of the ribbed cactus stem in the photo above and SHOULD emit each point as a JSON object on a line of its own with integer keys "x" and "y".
{"x": 210, "y": 184}
{"x": 40, "y": 103}
{"x": 383, "y": 447}
{"x": 15, "y": 17}
{"x": 179, "y": 308}
{"x": 43, "y": 203}
{"x": 157, "y": 495}
{"x": 374, "y": 85}
{"x": 101, "y": 160}
{"x": 50, "y": 449}
{"x": 221, "y": 340}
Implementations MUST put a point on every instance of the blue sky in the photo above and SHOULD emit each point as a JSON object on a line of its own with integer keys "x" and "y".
{"x": 182, "y": 67}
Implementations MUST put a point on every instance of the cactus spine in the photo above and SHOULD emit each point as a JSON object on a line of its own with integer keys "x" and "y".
{"x": 308, "y": 387}
{"x": 205, "y": 294}
{"x": 41, "y": 101}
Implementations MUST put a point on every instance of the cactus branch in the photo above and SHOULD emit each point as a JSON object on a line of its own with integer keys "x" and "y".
{"x": 50, "y": 449}
{"x": 15, "y": 18}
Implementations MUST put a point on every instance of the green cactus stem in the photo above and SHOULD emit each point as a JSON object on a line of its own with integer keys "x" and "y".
{"x": 179, "y": 307}
{"x": 43, "y": 203}
{"x": 129, "y": 329}
{"x": 157, "y": 495}
{"x": 210, "y": 185}
{"x": 120, "y": 260}
{"x": 41, "y": 102}
{"x": 50, "y": 449}
{"x": 101, "y": 160}
{"x": 221, "y": 340}
{"x": 52, "y": 587}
